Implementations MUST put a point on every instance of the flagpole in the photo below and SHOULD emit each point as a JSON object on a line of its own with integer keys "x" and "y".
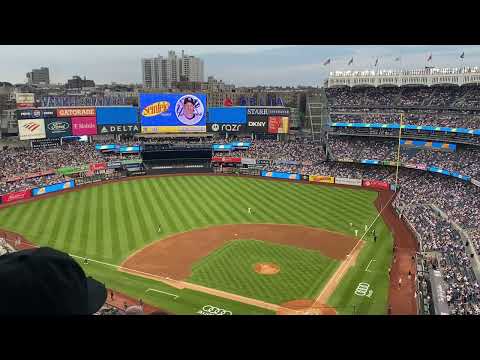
{"x": 398, "y": 151}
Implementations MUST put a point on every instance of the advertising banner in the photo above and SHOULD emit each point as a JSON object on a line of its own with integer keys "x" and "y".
{"x": 45, "y": 144}
{"x": 372, "y": 162}
{"x": 105, "y": 147}
{"x": 322, "y": 179}
{"x": 249, "y": 161}
{"x": 226, "y": 159}
{"x": 114, "y": 164}
{"x": 72, "y": 170}
{"x": 97, "y": 167}
{"x": 117, "y": 129}
{"x": 286, "y": 162}
{"x": 224, "y": 147}
{"x": 257, "y": 124}
{"x": 226, "y": 128}
{"x": 76, "y": 112}
{"x": 132, "y": 161}
{"x": 25, "y": 100}
{"x": 305, "y": 177}
{"x": 278, "y": 125}
{"x": 117, "y": 115}
{"x": 85, "y": 125}
{"x": 58, "y": 127}
{"x": 376, "y": 184}
{"x": 53, "y": 188}
{"x": 281, "y": 175}
{"x": 36, "y": 113}
{"x": 164, "y": 113}
{"x": 389, "y": 163}
{"x": 129, "y": 149}
{"x": 240, "y": 145}
{"x": 475, "y": 182}
{"x": 263, "y": 162}
{"x": 270, "y": 111}
{"x": 16, "y": 196}
{"x": 347, "y": 181}
{"x": 230, "y": 115}
{"x": 30, "y": 129}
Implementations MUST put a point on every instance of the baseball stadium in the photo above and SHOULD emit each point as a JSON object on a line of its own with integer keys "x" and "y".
{"x": 370, "y": 207}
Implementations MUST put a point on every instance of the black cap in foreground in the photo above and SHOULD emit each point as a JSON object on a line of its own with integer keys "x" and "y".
{"x": 45, "y": 281}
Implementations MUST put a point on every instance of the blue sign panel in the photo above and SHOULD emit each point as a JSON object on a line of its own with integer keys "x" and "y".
{"x": 117, "y": 115}
{"x": 227, "y": 115}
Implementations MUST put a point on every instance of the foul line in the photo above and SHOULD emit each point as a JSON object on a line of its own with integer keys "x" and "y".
{"x": 163, "y": 292}
{"x": 344, "y": 266}
{"x": 366, "y": 269}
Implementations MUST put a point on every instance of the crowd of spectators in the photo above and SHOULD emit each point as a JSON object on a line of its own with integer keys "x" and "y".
{"x": 19, "y": 163}
{"x": 439, "y": 236}
{"x": 443, "y": 119}
{"x": 464, "y": 160}
{"x": 441, "y": 96}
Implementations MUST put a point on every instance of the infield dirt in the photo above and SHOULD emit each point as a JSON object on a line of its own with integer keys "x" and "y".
{"x": 174, "y": 256}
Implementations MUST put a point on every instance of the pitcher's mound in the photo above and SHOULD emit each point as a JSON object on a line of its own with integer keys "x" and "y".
{"x": 304, "y": 307}
{"x": 266, "y": 268}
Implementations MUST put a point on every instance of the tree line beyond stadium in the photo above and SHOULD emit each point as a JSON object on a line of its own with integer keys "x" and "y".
{"x": 157, "y": 113}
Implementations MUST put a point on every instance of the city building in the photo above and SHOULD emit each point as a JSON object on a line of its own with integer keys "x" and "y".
{"x": 161, "y": 72}
{"x": 39, "y": 76}
{"x": 78, "y": 83}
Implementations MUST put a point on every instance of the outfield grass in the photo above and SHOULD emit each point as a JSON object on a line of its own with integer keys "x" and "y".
{"x": 302, "y": 273}
{"x": 109, "y": 222}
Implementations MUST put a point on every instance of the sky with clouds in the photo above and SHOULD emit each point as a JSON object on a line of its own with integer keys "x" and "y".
{"x": 242, "y": 65}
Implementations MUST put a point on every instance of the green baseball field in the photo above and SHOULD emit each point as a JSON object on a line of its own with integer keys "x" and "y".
{"x": 247, "y": 246}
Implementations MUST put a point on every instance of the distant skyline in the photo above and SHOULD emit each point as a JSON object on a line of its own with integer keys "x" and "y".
{"x": 242, "y": 65}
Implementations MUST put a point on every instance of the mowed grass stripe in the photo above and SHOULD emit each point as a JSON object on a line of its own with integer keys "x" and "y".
{"x": 57, "y": 214}
{"x": 42, "y": 221}
{"x": 151, "y": 217}
{"x": 227, "y": 206}
{"x": 260, "y": 203}
{"x": 100, "y": 224}
{"x": 166, "y": 196}
{"x": 93, "y": 236}
{"x": 116, "y": 244}
{"x": 211, "y": 206}
{"x": 126, "y": 223}
{"x": 18, "y": 216}
{"x": 64, "y": 218}
{"x": 160, "y": 218}
{"x": 144, "y": 224}
{"x": 170, "y": 223}
{"x": 135, "y": 218}
{"x": 85, "y": 223}
{"x": 183, "y": 208}
{"x": 192, "y": 195}
{"x": 205, "y": 203}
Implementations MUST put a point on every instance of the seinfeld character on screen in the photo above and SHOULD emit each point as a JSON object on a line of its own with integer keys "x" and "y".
{"x": 189, "y": 110}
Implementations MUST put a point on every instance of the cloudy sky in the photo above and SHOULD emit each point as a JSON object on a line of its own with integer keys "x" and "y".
{"x": 247, "y": 65}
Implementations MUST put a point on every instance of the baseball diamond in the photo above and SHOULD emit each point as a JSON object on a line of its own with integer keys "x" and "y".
{"x": 209, "y": 246}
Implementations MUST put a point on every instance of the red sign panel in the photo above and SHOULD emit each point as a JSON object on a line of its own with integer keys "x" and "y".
{"x": 226, "y": 159}
{"x": 86, "y": 125}
{"x": 376, "y": 184}
{"x": 16, "y": 196}
{"x": 75, "y": 112}
{"x": 99, "y": 166}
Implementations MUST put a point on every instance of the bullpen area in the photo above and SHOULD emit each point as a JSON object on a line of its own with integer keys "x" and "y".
{"x": 204, "y": 244}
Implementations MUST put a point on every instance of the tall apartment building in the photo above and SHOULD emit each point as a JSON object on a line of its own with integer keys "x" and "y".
{"x": 161, "y": 72}
{"x": 39, "y": 76}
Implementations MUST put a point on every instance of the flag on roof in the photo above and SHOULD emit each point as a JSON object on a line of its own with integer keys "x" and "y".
{"x": 351, "y": 61}
{"x": 429, "y": 58}
{"x": 376, "y": 62}
{"x": 397, "y": 58}
{"x": 326, "y": 62}
{"x": 463, "y": 55}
